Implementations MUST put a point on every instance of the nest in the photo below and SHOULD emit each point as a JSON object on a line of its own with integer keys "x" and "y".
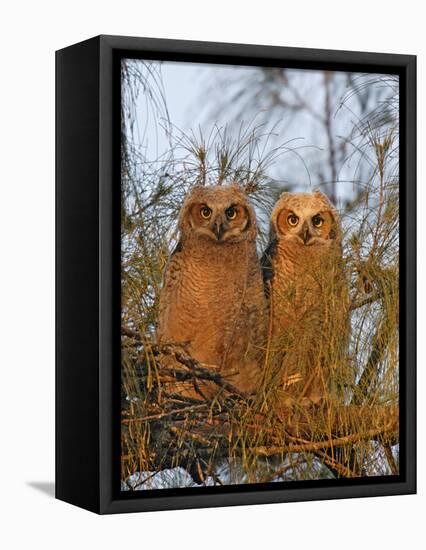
{"x": 162, "y": 430}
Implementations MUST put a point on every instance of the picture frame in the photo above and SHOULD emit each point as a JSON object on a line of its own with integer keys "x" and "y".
{"x": 88, "y": 375}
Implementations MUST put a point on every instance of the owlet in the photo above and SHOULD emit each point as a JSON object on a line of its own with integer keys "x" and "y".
{"x": 308, "y": 297}
{"x": 212, "y": 299}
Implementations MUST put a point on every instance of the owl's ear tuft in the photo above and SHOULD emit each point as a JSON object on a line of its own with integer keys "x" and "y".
{"x": 320, "y": 195}
{"x": 284, "y": 195}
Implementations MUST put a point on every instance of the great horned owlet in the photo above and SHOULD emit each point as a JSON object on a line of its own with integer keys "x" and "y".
{"x": 308, "y": 296}
{"x": 212, "y": 299}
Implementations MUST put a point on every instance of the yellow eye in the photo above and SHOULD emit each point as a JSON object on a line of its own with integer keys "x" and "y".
{"x": 205, "y": 212}
{"x": 317, "y": 221}
{"x": 231, "y": 213}
{"x": 292, "y": 220}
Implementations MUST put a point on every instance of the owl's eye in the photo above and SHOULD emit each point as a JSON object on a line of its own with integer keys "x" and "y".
{"x": 292, "y": 220}
{"x": 317, "y": 221}
{"x": 205, "y": 212}
{"x": 231, "y": 213}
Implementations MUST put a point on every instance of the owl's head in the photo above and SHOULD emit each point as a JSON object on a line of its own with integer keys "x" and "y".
{"x": 219, "y": 214}
{"x": 306, "y": 219}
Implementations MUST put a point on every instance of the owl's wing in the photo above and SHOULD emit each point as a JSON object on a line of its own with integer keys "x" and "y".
{"x": 266, "y": 263}
{"x": 170, "y": 276}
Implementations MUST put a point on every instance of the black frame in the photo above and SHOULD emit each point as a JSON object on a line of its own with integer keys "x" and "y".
{"x": 88, "y": 268}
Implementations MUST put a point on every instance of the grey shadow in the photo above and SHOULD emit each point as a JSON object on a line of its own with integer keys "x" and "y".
{"x": 46, "y": 487}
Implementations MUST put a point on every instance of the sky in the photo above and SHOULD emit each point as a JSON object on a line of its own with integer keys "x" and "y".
{"x": 203, "y": 95}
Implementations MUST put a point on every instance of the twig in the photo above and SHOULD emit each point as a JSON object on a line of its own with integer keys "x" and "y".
{"x": 311, "y": 446}
{"x": 332, "y": 463}
{"x": 390, "y": 458}
{"x": 193, "y": 436}
{"x": 365, "y": 301}
{"x": 165, "y": 414}
{"x": 125, "y": 331}
{"x": 329, "y": 133}
{"x": 371, "y": 369}
{"x": 279, "y": 473}
{"x": 204, "y": 373}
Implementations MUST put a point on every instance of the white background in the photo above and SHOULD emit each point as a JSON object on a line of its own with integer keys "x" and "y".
{"x": 30, "y": 32}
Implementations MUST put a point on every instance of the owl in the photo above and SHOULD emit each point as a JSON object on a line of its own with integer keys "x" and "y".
{"x": 212, "y": 299}
{"x": 308, "y": 297}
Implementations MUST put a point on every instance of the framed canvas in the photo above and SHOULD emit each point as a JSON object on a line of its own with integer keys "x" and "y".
{"x": 236, "y": 279}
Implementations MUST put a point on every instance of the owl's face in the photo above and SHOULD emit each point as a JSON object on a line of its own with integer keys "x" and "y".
{"x": 220, "y": 214}
{"x": 306, "y": 219}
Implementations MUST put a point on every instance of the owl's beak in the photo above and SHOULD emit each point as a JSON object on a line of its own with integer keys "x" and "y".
{"x": 305, "y": 234}
{"x": 218, "y": 228}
